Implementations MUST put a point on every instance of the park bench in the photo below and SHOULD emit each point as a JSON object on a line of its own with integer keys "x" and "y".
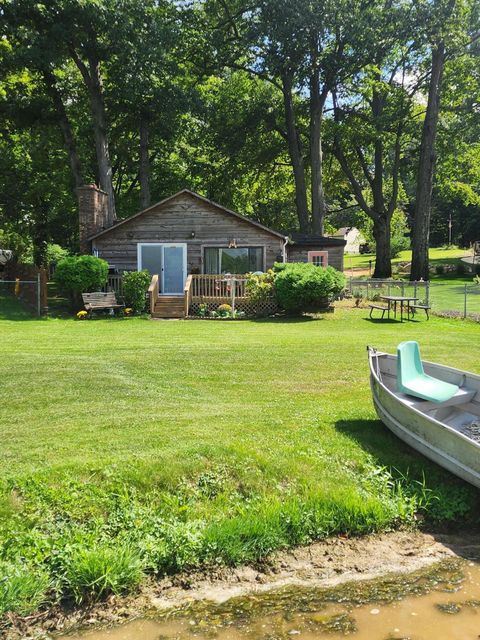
{"x": 425, "y": 307}
{"x": 99, "y": 300}
{"x": 378, "y": 306}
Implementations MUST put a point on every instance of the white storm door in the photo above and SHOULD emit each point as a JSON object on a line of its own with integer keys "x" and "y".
{"x": 174, "y": 268}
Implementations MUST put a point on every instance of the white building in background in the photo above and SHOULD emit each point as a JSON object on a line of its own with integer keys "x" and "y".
{"x": 353, "y": 238}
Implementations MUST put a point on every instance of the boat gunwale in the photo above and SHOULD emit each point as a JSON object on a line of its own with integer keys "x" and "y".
{"x": 372, "y": 352}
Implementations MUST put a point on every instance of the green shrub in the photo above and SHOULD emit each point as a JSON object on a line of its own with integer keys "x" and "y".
{"x": 439, "y": 269}
{"x": 135, "y": 287}
{"x": 461, "y": 269}
{"x": 260, "y": 287}
{"x": 98, "y": 571}
{"x": 301, "y": 286}
{"x": 398, "y": 243}
{"x": 55, "y": 253}
{"x": 22, "y": 590}
{"x": 174, "y": 546}
{"x": 79, "y": 274}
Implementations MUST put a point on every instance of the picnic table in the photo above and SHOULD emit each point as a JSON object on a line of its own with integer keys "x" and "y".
{"x": 393, "y": 301}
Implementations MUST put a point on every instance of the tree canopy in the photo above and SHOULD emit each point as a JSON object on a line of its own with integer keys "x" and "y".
{"x": 305, "y": 116}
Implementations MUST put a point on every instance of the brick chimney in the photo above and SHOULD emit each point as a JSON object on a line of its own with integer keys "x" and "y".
{"x": 93, "y": 213}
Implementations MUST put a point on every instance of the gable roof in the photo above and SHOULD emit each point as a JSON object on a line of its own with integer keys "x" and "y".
{"x": 343, "y": 231}
{"x": 198, "y": 197}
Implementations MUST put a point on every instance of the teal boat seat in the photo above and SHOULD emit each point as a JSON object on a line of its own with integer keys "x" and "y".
{"x": 412, "y": 380}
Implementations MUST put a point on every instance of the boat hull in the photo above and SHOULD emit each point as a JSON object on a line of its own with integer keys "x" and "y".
{"x": 436, "y": 441}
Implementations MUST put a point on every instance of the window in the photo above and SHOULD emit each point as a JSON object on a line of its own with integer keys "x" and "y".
{"x": 318, "y": 258}
{"x": 239, "y": 260}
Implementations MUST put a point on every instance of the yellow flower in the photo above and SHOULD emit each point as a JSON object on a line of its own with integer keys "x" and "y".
{"x": 128, "y": 311}
{"x": 81, "y": 315}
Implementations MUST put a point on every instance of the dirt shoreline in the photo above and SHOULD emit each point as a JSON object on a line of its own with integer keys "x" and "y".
{"x": 323, "y": 564}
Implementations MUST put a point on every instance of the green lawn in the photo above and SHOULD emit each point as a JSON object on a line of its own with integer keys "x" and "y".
{"x": 447, "y": 289}
{"x": 133, "y": 446}
{"x": 437, "y": 256}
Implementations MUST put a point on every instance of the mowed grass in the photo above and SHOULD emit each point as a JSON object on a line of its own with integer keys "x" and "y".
{"x": 437, "y": 255}
{"x": 447, "y": 289}
{"x": 134, "y": 447}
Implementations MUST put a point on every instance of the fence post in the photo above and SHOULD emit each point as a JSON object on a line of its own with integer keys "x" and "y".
{"x": 367, "y": 290}
{"x": 415, "y": 289}
{"x": 465, "y": 302}
{"x": 427, "y": 293}
{"x": 39, "y": 295}
{"x": 403, "y": 289}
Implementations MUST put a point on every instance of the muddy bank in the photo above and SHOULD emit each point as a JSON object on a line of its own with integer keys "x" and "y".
{"x": 328, "y": 563}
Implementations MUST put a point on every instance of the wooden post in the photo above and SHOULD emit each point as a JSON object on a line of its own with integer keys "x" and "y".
{"x": 39, "y": 291}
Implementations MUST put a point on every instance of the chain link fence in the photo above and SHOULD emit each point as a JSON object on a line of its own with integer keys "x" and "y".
{"x": 30, "y": 292}
{"x": 444, "y": 298}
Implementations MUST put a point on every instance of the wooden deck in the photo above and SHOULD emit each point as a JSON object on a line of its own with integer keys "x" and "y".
{"x": 212, "y": 290}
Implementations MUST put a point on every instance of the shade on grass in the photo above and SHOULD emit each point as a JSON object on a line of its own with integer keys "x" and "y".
{"x": 194, "y": 442}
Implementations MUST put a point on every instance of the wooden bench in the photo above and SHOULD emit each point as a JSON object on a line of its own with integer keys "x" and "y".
{"x": 378, "y": 306}
{"x": 425, "y": 307}
{"x": 98, "y": 301}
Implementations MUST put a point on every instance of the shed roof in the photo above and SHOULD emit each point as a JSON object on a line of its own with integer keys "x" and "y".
{"x": 193, "y": 195}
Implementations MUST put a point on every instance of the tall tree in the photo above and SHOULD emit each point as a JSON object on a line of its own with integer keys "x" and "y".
{"x": 373, "y": 118}
{"x": 426, "y": 165}
{"x": 446, "y": 23}
{"x": 302, "y": 49}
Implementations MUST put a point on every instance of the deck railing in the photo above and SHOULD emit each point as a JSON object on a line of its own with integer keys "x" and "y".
{"x": 209, "y": 291}
{"x": 114, "y": 283}
{"x": 153, "y": 291}
{"x": 218, "y": 286}
{"x": 187, "y": 294}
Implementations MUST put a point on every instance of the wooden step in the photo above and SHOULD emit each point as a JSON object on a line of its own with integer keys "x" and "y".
{"x": 169, "y": 307}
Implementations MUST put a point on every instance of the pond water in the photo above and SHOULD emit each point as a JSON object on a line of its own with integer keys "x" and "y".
{"x": 440, "y": 604}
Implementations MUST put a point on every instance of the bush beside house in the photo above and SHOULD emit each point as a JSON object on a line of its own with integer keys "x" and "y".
{"x": 75, "y": 275}
{"x": 135, "y": 287}
{"x": 302, "y": 286}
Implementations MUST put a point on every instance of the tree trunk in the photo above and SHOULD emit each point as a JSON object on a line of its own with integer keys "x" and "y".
{"x": 296, "y": 157}
{"x": 317, "y": 101}
{"x": 101, "y": 140}
{"x": 426, "y": 169}
{"x": 40, "y": 234}
{"x": 381, "y": 221}
{"x": 381, "y": 233}
{"x": 144, "y": 168}
{"x": 64, "y": 124}
{"x": 93, "y": 81}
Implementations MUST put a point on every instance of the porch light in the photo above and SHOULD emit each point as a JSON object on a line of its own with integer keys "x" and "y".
{"x": 192, "y": 234}
{"x": 232, "y": 243}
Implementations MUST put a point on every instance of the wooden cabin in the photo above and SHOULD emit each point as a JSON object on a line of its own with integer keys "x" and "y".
{"x": 186, "y": 239}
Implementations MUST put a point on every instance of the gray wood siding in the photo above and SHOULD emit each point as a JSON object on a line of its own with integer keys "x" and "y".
{"x": 175, "y": 221}
{"x": 300, "y": 254}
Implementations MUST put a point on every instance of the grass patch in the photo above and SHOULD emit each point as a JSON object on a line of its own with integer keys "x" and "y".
{"x": 22, "y": 589}
{"x": 135, "y": 447}
{"x": 437, "y": 256}
{"x": 92, "y": 573}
